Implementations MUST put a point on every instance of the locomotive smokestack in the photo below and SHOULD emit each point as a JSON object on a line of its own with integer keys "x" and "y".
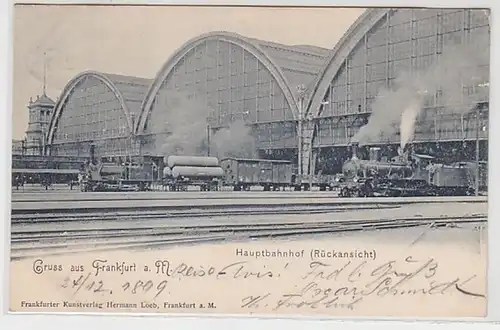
{"x": 400, "y": 151}
{"x": 92, "y": 154}
{"x": 410, "y": 152}
{"x": 375, "y": 154}
{"x": 354, "y": 148}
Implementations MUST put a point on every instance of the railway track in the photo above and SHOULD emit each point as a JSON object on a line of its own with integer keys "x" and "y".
{"x": 26, "y": 244}
{"x": 29, "y": 196}
{"x": 145, "y": 196}
{"x": 18, "y": 218}
{"x": 123, "y": 207}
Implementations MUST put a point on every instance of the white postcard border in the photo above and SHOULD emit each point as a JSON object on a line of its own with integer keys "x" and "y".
{"x": 122, "y": 321}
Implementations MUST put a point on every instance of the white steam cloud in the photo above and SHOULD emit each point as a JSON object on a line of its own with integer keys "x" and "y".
{"x": 459, "y": 66}
{"x": 407, "y": 126}
{"x": 234, "y": 141}
{"x": 184, "y": 126}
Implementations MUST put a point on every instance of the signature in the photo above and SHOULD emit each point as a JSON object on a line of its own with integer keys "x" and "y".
{"x": 235, "y": 270}
{"x": 347, "y": 286}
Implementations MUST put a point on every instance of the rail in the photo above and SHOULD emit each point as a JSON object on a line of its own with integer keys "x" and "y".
{"x": 31, "y": 244}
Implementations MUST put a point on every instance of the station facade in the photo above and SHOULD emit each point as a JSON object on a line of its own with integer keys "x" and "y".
{"x": 223, "y": 77}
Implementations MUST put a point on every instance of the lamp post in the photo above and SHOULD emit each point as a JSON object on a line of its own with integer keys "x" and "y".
{"x": 479, "y": 109}
{"x": 208, "y": 140}
{"x": 313, "y": 119}
{"x": 477, "y": 153}
{"x": 301, "y": 96}
{"x": 479, "y": 128}
{"x": 300, "y": 120}
{"x": 131, "y": 145}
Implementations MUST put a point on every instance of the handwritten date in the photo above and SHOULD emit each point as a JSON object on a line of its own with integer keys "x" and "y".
{"x": 85, "y": 283}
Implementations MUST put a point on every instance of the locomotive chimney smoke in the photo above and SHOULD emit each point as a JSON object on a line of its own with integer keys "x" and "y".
{"x": 397, "y": 109}
{"x": 182, "y": 123}
{"x": 234, "y": 141}
{"x": 408, "y": 121}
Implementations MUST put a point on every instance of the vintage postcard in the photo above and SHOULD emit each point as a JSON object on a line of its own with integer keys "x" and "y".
{"x": 286, "y": 161}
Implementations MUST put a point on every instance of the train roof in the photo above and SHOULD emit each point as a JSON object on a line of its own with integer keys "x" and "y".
{"x": 45, "y": 170}
{"x": 256, "y": 160}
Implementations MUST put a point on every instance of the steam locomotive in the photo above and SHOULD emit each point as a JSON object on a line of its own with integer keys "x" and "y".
{"x": 99, "y": 175}
{"x": 102, "y": 176}
{"x": 407, "y": 174}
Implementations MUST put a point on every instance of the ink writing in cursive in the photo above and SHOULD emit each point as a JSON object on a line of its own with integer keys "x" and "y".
{"x": 85, "y": 283}
{"x": 347, "y": 285}
{"x": 236, "y": 270}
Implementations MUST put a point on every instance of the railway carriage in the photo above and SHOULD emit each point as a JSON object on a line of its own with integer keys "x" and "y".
{"x": 44, "y": 176}
{"x": 45, "y": 170}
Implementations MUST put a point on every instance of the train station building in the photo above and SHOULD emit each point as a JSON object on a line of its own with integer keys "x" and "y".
{"x": 301, "y": 103}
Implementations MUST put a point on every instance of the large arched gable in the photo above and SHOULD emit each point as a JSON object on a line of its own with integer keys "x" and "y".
{"x": 340, "y": 52}
{"x": 233, "y": 38}
{"x": 70, "y": 88}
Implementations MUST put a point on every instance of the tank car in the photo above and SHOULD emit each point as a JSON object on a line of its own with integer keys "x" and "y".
{"x": 197, "y": 172}
{"x": 197, "y": 161}
{"x": 184, "y": 171}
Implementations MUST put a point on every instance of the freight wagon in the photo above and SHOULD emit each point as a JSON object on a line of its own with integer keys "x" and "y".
{"x": 241, "y": 173}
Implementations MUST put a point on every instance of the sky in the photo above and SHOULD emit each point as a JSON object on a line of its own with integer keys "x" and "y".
{"x": 138, "y": 40}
